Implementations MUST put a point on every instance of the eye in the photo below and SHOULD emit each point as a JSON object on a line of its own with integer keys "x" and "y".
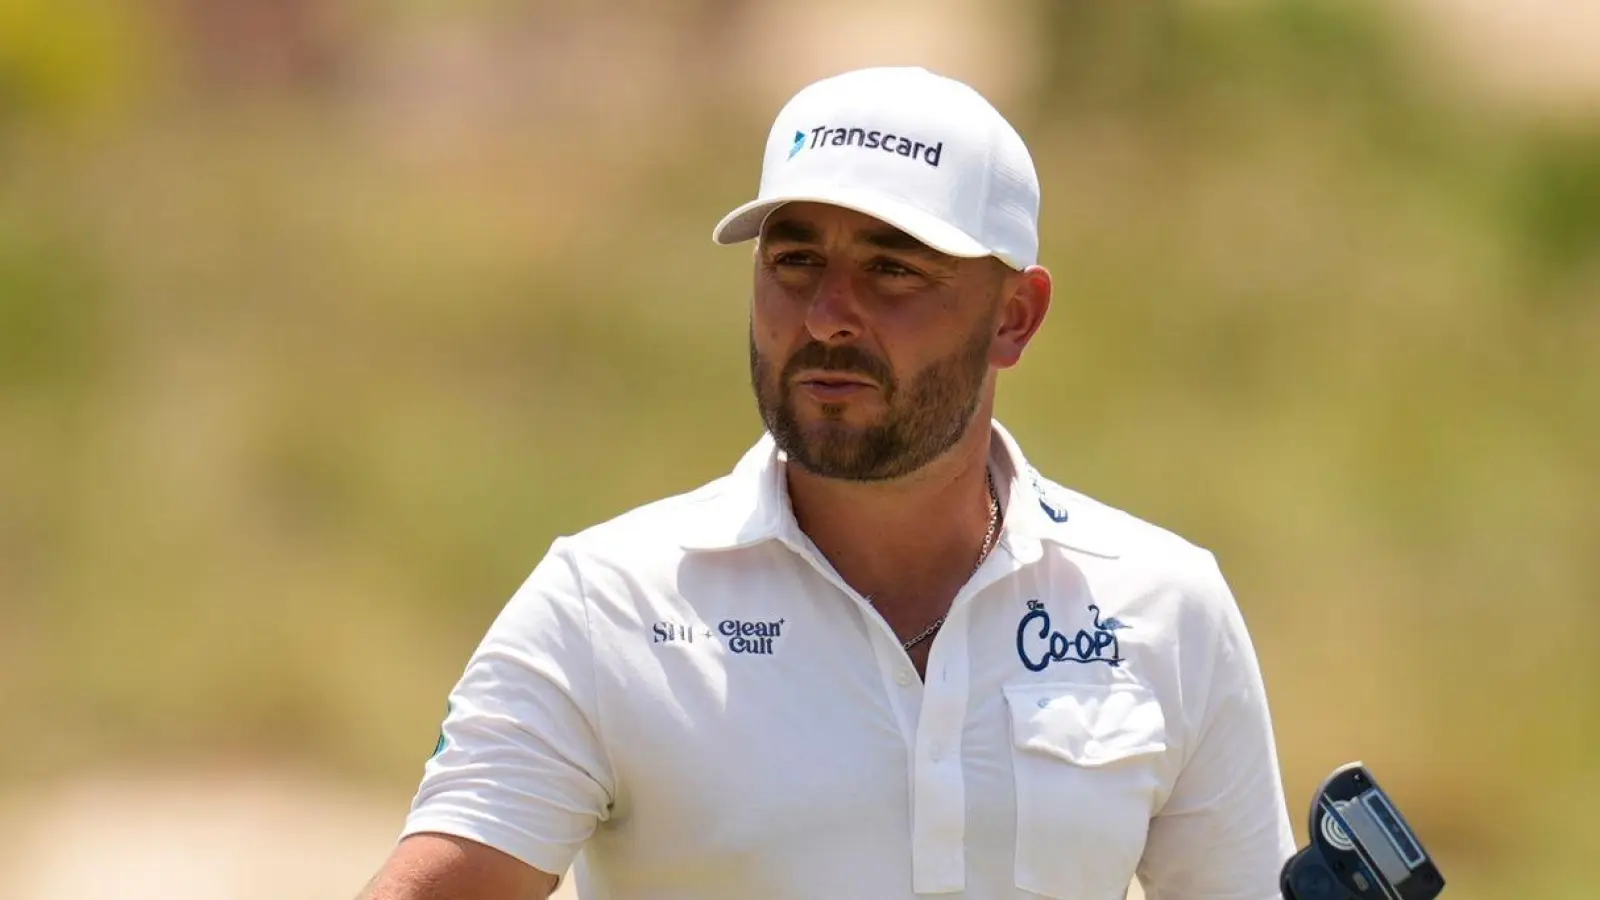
{"x": 892, "y": 268}
{"x": 791, "y": 258}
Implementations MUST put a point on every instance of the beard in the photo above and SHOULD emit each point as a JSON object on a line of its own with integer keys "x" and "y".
{"x": 924, "y": 418}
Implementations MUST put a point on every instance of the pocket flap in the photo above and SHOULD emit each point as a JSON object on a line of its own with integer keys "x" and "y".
{"x": 1087, "y": 724}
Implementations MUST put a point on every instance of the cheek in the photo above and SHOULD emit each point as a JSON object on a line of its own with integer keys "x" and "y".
{"x": 774, "y": 319}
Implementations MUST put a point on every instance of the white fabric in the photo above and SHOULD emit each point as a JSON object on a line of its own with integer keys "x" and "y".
{"x": 691, "y": 697}
{"x": 922, "y": 152}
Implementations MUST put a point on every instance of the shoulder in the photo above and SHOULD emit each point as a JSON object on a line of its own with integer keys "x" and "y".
{"x": 1138, "y": 553}
{"x": 1074, "y": 517}
{"x": 641, "y": 548}
{"x": 1166, "y": 586}
{"x": 656, "y": 533}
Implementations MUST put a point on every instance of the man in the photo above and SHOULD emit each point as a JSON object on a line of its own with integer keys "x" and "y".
{"x": 884, "y": 656}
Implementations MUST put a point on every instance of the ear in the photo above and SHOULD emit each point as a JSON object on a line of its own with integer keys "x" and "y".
{"x": 1025, "y": 299}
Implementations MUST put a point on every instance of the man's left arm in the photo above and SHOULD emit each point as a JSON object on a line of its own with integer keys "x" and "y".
{"x": 1224, "y": 832}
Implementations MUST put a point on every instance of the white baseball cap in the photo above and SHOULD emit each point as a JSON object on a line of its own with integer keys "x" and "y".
{"x": 922, "y": 152}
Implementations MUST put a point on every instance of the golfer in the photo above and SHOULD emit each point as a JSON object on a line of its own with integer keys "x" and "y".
{"x": 883, "y": 657}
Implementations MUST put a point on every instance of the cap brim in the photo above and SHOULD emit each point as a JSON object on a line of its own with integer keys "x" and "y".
{"x": 745, "y": 222}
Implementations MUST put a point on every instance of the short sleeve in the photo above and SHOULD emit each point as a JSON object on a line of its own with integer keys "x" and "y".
{"x": 521, "y": 765}
{"x": 1224, "y": 832}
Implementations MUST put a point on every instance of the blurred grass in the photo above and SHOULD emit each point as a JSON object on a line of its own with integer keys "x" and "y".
{"x": 294, "y": 391}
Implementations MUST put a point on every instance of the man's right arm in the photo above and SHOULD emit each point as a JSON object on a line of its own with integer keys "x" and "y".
{"x": 443, "y": 867}
{"x": 520, "y": 777}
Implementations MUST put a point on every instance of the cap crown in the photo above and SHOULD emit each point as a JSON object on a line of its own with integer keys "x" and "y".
{"x": 924, "y": 152}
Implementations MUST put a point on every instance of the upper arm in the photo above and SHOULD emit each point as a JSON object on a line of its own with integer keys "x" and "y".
{"x": 1224, "y": 832}
{"x": 444, "y": 867}
{"x": 521, "y": 766}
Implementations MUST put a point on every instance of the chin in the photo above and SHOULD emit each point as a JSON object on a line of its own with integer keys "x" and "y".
{"x": 847, "y": 413}
{"x": 832, "y": 425}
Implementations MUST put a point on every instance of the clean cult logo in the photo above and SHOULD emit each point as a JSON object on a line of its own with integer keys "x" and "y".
{"x": 886, "y": 141}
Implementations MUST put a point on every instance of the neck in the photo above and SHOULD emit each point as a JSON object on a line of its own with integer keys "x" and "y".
{"x": 920, "y": 535}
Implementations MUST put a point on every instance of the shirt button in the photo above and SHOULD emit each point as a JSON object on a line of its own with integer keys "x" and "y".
{"x": 937, "y": 753}
{"x": 1091, "y": 747}
{"x": 902, "y": 678}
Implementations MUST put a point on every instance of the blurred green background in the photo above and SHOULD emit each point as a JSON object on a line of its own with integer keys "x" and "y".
{"x": 319, "y": 321}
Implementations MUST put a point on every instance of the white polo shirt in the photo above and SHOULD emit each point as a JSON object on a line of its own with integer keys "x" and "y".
{"x": 692, "y": 705}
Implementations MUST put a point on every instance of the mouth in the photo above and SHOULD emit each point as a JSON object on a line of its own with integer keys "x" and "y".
{"x": 832, "y": 382}
{"x": 832, "y": 386}
{"x": 831, "y": 379}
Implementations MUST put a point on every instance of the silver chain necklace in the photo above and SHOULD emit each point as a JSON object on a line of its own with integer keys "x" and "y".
{"x": 983, "y": 554}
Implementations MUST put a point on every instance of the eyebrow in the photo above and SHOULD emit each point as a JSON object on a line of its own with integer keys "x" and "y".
{"x": 791, "y": 231}
{"x": 895, "y": 239}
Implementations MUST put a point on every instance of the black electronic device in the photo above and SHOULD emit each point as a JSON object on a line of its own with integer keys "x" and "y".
{"x": 1361, "y": 847}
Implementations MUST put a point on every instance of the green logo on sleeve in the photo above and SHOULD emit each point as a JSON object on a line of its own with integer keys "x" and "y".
{"x": 439, "y": 746}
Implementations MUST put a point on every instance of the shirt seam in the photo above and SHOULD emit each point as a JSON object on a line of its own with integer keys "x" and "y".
{"x": 594, "y": 677}
{"x": 988, "y": 187}
{"x": 1221, "y": 653}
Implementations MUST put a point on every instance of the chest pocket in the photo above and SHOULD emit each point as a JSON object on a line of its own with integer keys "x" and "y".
{"x": 1086, "y": 763}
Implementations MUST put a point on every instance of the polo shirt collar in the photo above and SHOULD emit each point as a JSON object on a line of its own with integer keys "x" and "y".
{"x": 1040, "y": 511}
{"x": 750, "y": 505}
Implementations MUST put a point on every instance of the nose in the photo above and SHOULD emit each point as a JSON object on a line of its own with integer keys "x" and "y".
{"x": 833, "y": 316}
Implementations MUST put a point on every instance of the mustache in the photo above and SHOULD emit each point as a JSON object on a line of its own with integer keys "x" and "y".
{"x": 843, "y": 358}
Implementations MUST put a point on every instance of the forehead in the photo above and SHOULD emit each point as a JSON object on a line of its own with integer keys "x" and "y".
{"x": 815, "y": 223}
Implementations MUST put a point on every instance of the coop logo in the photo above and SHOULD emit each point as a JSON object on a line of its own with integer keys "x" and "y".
{"x": 1039, "y": 645}
{"x": 755, "y": 638}
{"x": 885, "y": 141}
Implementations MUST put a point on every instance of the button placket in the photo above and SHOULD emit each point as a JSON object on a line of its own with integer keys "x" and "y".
{"x": 938, "y": 840}
{"x": 904, "y": 690}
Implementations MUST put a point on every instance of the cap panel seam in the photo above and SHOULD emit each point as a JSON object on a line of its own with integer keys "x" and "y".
{"x": 987, "y": 238}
